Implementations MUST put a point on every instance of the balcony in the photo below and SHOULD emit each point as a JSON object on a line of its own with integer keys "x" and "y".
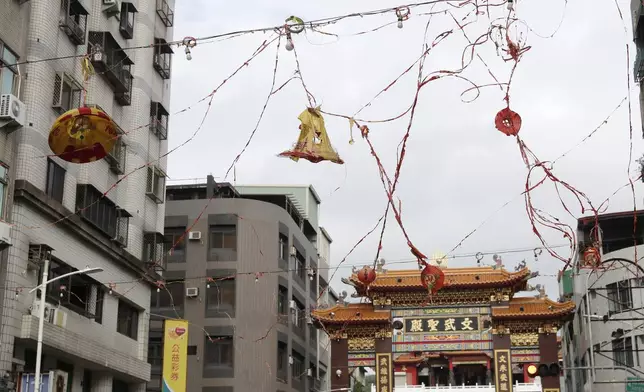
{"x": 153, "y": 251}
{"x": 73, "y": 20}
{"x": 109, "y": 355}
{"x": 165, "y": 13}
{"x": 102, "y": 213}
{"x": 125, "y": 98}
{"x": 116, "y": 157}
{"x": 126, "y": 24}
{"x": 162, "y": 57}
{"x": 159, "y": 120}
{"x": 110, "y": 60}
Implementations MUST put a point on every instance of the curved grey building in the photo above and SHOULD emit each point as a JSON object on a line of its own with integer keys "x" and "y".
{"x": 246, "y": 278}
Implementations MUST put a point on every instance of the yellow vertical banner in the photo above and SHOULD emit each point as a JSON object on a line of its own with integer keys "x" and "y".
{"x": 175, "y": 355}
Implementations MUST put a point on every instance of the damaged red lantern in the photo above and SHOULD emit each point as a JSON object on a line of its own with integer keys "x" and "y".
{"x": 432, "y": 278}
{"x": 508, "y": 122}
{"x": 366, "y": 275}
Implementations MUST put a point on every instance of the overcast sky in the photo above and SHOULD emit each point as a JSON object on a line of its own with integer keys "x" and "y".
{"x": 458, "y": 169}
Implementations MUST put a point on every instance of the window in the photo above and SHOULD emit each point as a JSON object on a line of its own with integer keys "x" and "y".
{"x": 4, "y": 180}
{"x": 223, "y": 237}
{"x": 282, "y": 300}
{"x": 67, "y": 93}
{"x": 126, "y": 25}
{"x": 221, "y": 295}
{"x": 282, "y": 360}
{"x": 170, "y": 296}
{"x": 300, "y": 265}
{"x": 101, "y": 212}
{"x": 165, "y": 13}
{"x": 162, "y": 57}
{"x": 298, "y": 318}
{"x": 298, "y": 367}
{"x": 116, "y": 157}
{"x": 175, "y": 236}
{"x": 73, "y": 20}
{"x": 55, "y": 181}
{"x": 218, "y": 352}
{"x": 155, "y": 351}
{"x": 620, "y": 297}
{"x": 127, "y": 320}
{"x": 623, "y": 352}
{"x": 8, "y": 71}
{"x": 192, "y": 350}
{"x": 155, "y": 189}
{"x": 112, "y": 63}
{"x": 79, "y": 293}
{"x": 313, "y": 335}
{"x": 283, "y": 247}
{"x": 153, "y": 249}
{"x": 159, "y": 120}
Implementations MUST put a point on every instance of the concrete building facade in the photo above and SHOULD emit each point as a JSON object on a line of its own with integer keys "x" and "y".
{"x": 97, "y": 326}
{"x": 246, "y": 276}
{"x": 604, "y": 342}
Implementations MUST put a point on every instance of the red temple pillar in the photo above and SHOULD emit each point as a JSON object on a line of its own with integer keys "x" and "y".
{"x": 340, "y": 364}
{"x": 488, "y": 372}
{"x": 549, "y": 353}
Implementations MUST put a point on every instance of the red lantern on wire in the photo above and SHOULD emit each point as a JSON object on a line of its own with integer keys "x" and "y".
{"x": 432, "y": 278}
{"x": 592, "y": 257}
{"x": 366, "y": 275}
{"x": 508, "y": 122}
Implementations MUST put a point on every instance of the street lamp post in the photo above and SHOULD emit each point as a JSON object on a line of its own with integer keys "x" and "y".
{"x": 41, "y": 310}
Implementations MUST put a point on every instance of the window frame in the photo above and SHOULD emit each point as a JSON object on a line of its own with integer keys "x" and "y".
{"x": 51, "y": 184}
{"x": 6, "y": 65}
{"x": 177, "y": 255}
{"x": 223, "y": 230}
{"x": 623, "y": 351}
{"x": 298, "y": 371}
{"x": 228, "y": 283}
{"x": 170, "y": 285}
{"x": 218, "y": 341}
{"x": 615, "y": 293}
{"x": 131, "y": 326}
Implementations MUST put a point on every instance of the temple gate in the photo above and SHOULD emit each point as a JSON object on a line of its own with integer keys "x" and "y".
{"x": 473, "y": 331}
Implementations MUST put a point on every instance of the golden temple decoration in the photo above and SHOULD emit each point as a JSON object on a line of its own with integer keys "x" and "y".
{"x": 524, "y": 339}
{"x": 500, "y": 330}
{"x": 549, "y": 328}
{"x": 384, "y": 333}
{"x": 362, "y": 344}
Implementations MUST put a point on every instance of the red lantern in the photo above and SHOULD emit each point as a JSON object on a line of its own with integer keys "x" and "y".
{"x": 432, "y": 278}
{"x": 366, "y": 275}
{"x": 508, "y": 122}
{"x": 592, "y": 257}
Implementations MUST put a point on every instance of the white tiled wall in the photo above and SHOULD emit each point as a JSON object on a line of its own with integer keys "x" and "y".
{"x": 45, "y": 41}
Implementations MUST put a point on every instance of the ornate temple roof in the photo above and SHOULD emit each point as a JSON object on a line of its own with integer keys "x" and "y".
{"x": 472, "y": 277}
{"x": 362, "y": 313}
{"x": 531, "y": 307}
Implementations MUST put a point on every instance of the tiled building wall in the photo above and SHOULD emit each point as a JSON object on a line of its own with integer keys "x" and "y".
{"x": 45, "y": 40}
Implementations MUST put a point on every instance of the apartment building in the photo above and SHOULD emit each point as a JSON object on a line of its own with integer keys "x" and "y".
{"x": 246, "y": 276}
{"x": 603, "y": 343}
{"x": 97, "y": 325}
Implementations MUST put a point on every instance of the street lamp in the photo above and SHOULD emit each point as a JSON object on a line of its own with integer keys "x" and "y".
{"x": 41, "y": 310}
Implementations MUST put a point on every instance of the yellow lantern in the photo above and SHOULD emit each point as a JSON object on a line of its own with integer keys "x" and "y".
{"x": 83, "y": 135}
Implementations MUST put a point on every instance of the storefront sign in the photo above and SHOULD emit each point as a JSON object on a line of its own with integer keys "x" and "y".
{"x": 503, "y": 370}
{"x": 441, "y": 324}
{"x": 384, "y": 373}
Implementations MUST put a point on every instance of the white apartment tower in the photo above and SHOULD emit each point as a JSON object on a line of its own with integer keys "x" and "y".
{"x": 97, "y": 325}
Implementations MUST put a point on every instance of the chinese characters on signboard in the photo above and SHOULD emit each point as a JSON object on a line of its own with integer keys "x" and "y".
{"x": 384, "y": 373}
{"x": 442, "y": 324}
{"x": 503, "y": 370}
{"x": 175, "y": 360}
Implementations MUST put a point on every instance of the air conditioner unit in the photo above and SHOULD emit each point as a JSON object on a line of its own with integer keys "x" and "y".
{"x": 112, "y": 8}
{"x": 293, "y": 305}
{"x": 53, "y": 315}
{"x": 192, "y": 292}
{"x": 13, "y": 113}
{"x": 194, "y": 235}
{"x": 309, "y": 320}
{"x": 309, "y": 372}
{"x": 293, "y": 251}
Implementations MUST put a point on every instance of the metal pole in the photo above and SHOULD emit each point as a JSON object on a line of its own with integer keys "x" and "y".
{"x": 589, "y": 328}
{"x": 41, "y": 324}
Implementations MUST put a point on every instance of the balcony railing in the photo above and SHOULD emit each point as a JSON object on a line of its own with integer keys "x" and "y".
{"x": 73, "y": 20}
{"x": 126, "y": 25}
{"x": 109, "y": 59}
{"x": 158, "y": 127}
{"x": 162, "y": 64}
{"x": 165, "y": 13}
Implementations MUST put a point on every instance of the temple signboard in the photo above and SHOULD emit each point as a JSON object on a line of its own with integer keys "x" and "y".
{"x": 441, "y": 324}
{"x": 384, "y": 373}
{"x": 503, "y": 369}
